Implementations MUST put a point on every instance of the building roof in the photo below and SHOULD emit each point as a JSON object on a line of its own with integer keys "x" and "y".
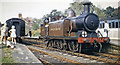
{"x": 110, "y": 18}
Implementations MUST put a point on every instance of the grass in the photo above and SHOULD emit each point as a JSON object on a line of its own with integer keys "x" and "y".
{"x": 7, "y": 57}
{"x": 0, "y": 60}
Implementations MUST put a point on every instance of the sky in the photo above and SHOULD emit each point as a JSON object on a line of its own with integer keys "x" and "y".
{"x": 38, "y": 8}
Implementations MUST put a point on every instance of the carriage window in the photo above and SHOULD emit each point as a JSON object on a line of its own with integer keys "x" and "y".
{"x": 116, "y": 24}
{"x": 109, "y": 25}
{"x": 100, "y": 25}
{"x": 113, "y": 25}
{"x": 103, "y": 25}
{"x": 119, "y": 24}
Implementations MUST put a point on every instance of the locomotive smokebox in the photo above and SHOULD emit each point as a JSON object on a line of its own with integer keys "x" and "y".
{"x": 87, "y": 21}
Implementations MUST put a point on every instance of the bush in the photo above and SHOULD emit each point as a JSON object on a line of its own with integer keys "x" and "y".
{"x": 36, "y": 32}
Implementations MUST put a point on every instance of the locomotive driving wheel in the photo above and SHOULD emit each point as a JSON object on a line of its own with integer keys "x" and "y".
{"x": 60, "y": 44}
{"x": 73, "y": 46}
{"x": 55, "y": 43}
{"x": 50, "y": 43}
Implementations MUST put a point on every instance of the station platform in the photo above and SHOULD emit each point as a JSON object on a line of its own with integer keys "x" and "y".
{"x": 21, "y": 54}
{"x": 0, "y": 54}
{"x": 115, "y": 42}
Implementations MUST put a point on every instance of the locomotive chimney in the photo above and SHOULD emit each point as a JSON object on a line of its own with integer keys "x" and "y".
{"x": 87, "y": 7}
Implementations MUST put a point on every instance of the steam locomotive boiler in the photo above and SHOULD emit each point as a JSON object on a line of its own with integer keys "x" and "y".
{"x": 74, "y": 33}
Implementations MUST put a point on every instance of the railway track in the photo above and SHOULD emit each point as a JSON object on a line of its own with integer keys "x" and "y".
{"x": 87, "y": 56}
{"x": 115, "y": 47}
{"x": 108, "y": 55}
{"x": 44, "y": 62}
{"x": 55, "y": 56}
{"x": 101, "y": 57}
{"x": 112, "y": 51}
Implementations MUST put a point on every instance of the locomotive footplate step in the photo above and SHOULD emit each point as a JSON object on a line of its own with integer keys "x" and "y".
{"x": 21, "y": 54}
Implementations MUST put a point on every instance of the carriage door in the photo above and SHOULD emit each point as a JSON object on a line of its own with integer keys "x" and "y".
{"x": 17, "y": 27}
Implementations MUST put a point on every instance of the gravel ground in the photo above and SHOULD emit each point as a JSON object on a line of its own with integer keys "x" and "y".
{"x": 21, "y": 54}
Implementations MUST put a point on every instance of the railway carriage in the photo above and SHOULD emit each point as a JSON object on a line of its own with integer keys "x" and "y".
{"x": 74, "y": 33}
{"x": 114, "y": 28}
{"x": 19, "y": 26}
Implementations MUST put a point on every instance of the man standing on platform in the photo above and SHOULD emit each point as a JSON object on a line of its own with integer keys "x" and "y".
{"x": 106, "y": 29}
{"x": 4, "y": 33}
{"x": 30, "y": 33}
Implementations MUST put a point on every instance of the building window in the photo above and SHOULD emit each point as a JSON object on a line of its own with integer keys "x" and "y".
{"x": 109, "y": 25}
{"x": 116, "y": 24}
{"x": 113, "y": 25}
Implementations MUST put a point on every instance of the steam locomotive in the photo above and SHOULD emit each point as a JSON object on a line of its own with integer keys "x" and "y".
{"x": 74, "y": 33}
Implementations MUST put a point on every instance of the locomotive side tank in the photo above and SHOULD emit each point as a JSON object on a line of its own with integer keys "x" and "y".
{"x": 56, "y": 28}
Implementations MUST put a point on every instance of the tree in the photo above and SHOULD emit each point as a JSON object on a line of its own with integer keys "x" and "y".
{"x": 78, "y": 8}
{"x": 35, "y": 26}
{"x": 36, "y": 20}
{"x": 115, "y": 13}
{"x": 100, "y": 13}
{"x": 109, "y": 11}
{"x": 53, "y": 13}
